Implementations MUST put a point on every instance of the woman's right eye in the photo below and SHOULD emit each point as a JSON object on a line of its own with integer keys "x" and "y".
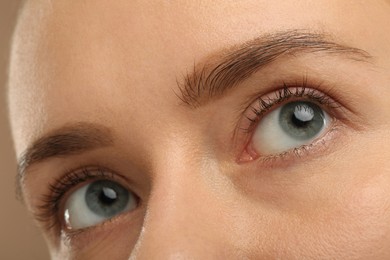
{"x": 97, "y": 202}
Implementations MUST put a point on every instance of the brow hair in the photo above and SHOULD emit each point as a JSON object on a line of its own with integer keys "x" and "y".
{"x": 65, "y": 141}
{"x": 211, "y": 79}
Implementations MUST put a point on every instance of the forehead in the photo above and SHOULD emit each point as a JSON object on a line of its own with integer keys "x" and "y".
{"x": 102, "y": 57}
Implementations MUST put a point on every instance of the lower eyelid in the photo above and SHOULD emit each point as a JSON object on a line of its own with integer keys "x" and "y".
{"x": 82, "y": 238}
{"x": 322, "y": 146}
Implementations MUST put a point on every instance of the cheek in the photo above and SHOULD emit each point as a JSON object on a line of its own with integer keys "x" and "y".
{"x": 342, "y": 213}
{"x": 357, "y": 225}
{"x": 367, "y": 214}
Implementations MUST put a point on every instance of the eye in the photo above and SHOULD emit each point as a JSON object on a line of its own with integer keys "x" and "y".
{"x": 290, "y": 126}
{"x": 289, "y": 121}
{"x": 97, "y": 202}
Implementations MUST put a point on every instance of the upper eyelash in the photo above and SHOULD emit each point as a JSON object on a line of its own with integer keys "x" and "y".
{"x": 50, "y": 203}
{"x": 290, "y": 92}
{"x": 284, "y": 94}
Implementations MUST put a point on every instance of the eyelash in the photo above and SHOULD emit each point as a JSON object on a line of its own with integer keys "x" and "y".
{"x": 287, "y": 93}
{"x": 51, "y": 203}
{"x": 265, "y": 104}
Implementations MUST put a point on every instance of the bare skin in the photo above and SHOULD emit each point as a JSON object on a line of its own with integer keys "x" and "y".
{"x": 105, "y": 81}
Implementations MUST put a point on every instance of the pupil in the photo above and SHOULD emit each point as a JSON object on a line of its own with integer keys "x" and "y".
{"x": 302, "y": 116}
{"x": 298, "y": 123}
{"x": 107, "y": 196}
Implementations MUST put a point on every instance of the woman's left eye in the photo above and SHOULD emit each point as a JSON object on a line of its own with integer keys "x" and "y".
{"x": 97, "y": 202}
{"x": 290, "y": 119}
{"x": 290, "y": 126}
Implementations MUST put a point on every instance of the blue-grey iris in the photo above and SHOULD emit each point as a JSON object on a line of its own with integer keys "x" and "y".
{"x": 302, "y": 120}
{"x": 106, "y": 198}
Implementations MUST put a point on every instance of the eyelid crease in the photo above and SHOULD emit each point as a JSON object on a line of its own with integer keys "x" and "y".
{"x": 337, "y": 98}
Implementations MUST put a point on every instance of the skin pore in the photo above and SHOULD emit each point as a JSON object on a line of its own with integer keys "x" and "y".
{"x": 164, "y": 98}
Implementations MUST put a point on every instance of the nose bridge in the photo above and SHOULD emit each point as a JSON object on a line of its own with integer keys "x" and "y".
{"x": 182, "y": 216}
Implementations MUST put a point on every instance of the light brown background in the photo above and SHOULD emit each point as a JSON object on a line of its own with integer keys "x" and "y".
{"x": 19, "y": 239}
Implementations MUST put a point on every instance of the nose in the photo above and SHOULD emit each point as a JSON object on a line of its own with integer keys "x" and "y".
{"x": 185, "y": 218}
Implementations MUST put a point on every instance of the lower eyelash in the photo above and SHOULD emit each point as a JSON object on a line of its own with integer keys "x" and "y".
{"x": 319, "y": 145}
{"x": 50, "y": 206}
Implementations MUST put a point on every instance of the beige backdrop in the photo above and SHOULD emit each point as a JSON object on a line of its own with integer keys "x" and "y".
{"x": 19, "y": 239}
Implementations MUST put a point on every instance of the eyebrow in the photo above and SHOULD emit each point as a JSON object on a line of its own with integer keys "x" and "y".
{"x": 65, "y": 141}
{"x": 211, "y": 80}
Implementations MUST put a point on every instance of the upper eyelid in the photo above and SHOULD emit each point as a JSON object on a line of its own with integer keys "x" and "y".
{"x": 338, "y": 91}
{"x": 308, "y": 93}
{"x": 249, "y": 101}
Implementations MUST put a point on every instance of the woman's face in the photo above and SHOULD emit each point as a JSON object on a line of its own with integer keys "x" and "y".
{"x": 205, "y": 129}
